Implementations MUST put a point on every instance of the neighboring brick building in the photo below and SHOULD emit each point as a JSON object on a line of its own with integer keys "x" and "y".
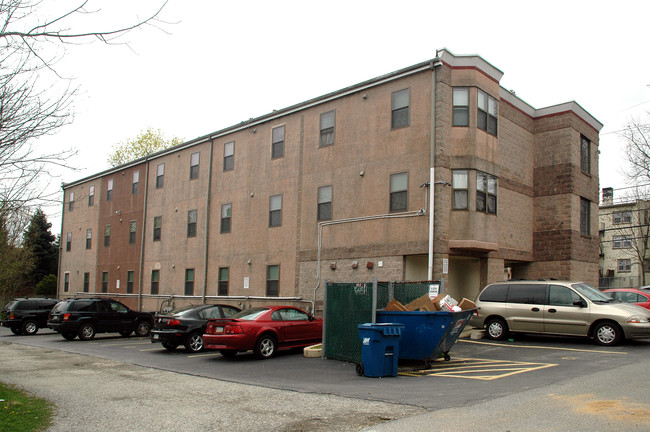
{"x": 248, "y": 212}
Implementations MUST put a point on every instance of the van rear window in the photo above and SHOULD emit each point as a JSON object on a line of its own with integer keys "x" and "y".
{"x": 494, "y": 293}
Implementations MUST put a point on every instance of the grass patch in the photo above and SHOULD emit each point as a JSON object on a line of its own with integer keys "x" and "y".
{"x": 20, "y": 411}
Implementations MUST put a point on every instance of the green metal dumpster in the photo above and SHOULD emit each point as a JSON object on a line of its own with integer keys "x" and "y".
{"x": 379, "y": 349}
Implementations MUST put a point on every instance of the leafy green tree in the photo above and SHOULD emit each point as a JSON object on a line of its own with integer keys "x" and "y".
{"x": 146, "y": 143}
{"x": 47, "y": 286}
{"x": 40, "y": 242}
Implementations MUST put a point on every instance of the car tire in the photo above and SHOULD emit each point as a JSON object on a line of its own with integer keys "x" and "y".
{"x": 15, "y": 331}
{"x": 228, "y": 353}
{"x": 607, "y": 333}
{"x": 194, "y": 343}
{"x": 29, "y": 327}
{"x": 496, "y": 329}
{"x": 142, "y": 329}
{"x": 125, "y": 333}
{"x": 265, "y": 347}
{"x": 86, "y": 332}
{"x": 169, "y": 347}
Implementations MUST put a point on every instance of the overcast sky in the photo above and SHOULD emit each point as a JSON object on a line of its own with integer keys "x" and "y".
{"x": 220, "y": 63}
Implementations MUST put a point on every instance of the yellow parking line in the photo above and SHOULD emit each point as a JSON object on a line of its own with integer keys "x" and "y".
{"x": 204, "y": 355}
{"x": 542, "y": 347}
{"x": 480, "y": 369}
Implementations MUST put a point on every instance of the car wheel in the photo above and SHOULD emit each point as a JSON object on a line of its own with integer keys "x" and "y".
{"x": 228, "y": 353}
{"x": 68, "y": 336}
{"x": 607, "y": 334}
{"x": 143, "y": 329}
{"x": 265, "y": 347}
{"x": 497, "y": 329}
{"x": 87, "y": 332}
{"x": 168, "y": 346}
{"x": 194, "y": 343}
{"x": 30, "y": 327}
{"x": 125, "y": 333}
{"x": 15, "y": 331}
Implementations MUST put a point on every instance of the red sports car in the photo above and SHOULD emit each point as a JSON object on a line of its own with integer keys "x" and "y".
{"x": 263, "y": 330}
{"x": 630, "y": 295}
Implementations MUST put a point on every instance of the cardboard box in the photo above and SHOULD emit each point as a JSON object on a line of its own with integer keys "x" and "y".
{"x": 395, "y": 306}
{"x": 423, "y": 303}
{"x": 466, "y": 304}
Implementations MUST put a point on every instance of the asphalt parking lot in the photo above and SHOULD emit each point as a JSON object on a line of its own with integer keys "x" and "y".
{"x": 479, "y": 372}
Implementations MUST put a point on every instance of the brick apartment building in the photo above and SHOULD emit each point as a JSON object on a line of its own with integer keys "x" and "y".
{"x": 348, "y": 187}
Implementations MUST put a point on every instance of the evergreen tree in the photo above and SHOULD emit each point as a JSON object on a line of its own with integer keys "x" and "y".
{"x": 40, "y": 242}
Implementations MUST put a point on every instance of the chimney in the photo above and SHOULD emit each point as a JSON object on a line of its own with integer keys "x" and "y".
{"x": 608, "y": 196}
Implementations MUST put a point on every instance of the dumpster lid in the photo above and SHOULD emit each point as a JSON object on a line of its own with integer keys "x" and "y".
{"x": 386, "y": 329}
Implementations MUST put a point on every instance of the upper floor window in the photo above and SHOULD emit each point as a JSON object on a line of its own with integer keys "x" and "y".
{"x": 226, "y": 216}
{"x": 272, "y": 280}
{"x": 194, "y": 165}
{"x": 109, "y": 190}
{"x": 277, "y": 142}
{"x": 66, "y": 282}
{"x": 325, "y": 203}
{"x": 585, "y": 217}
{"x": 135, "y": 185}
{"x": 71, "y": 201}
{"x": 488, "y": 113}
{"x": 133, "y": 226}
{"x": 327, "y": 121}
{"x": 486, "y": 193}
{"x": 622, "y": 242}
{"x": 275, "y": 211}
{"x": 189, "y": 281}
{"x": 157, "y": 228}
{"x": 89, "y": 238}
{"x": 107, "y": 235}
{"x": 400, "y": 115}
{"x": 624, "y": 265}
{"x": 160, "y": 176}
{"x": 460, "y": 186}
{"x": 191, "y": 223}
{"x": 91, "y": 196}
{"x": 461, "y": 106}
{"x": 585, "y": 145}
{"x": 68, "y": 242}
{"x": 399, "y": 192}
{"x": 223, "y": 281}
{"x": 229, "y": 156}
{"x": 622, "y": 217}
{"x": 155, "y": 279}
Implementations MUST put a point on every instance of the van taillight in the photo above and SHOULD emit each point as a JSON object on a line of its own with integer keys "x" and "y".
{"x": 66, "y": 316}
{"x": 12, "y": 316}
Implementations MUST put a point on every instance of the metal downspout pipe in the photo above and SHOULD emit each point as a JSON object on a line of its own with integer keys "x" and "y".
{"x": 144, "y": 226}
{"x": 432, "y": 163}
{"x": 207, "y": 225}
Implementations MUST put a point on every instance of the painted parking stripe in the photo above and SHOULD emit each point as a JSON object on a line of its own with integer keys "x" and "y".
{"x": 480, "y": 369}
{"x": 543, "y": 347}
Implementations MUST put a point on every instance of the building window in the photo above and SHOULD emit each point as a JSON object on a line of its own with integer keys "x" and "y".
{"x": 272, "y": 280}
{"x": 66, "y": 282}
{"x": 585, "y": 217}
{"x": 107, "y": 235}
{"x": 398, "y": 192}
{"x": 91, "y": 196}
{"x": 191, "y": 223}
{"x": 160, "y": 176}
{"x": 327, "y": 121}
{"x": 135, "y": 185}
{"x": 585, "y": 145}
{"x": 622, "y": 217}
{"x": 461, "y": 106}
{"x": 189, "y": 281}
{"x": 109, "y": 190}
{"x": 157, "y": 227}
{"x": 460, "y": 184}
{"x": 486, "y": 193}
{"x": 71, "y": 201}
{"x": 89, "y": 238}
{"x": 622, "y": 242}
{"x": 223, "y": 281}
{"x": 68, "y": 242}
{"x": 277, "y": 142}
{"x": 129, "y": 281}
{"x": 194, "y": 165}
{"x": 324, "y": 203}
{"x": 133, "y": 226}
{"x": 229, "y": 156}
{"x": 86, "y": 282}
{"x": 275, "y": 211}
{"x": 226, "y": 217}
{"x": 488, "y": 113}
{"x": 400, "y": 113}
{"x": 624, "y": 265}
{"x": 155, "y": 279}
{"x": 104, "y": 282}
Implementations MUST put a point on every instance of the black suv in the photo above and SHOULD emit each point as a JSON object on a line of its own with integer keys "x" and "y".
{"x": 88, "y": 316}
{"x": 27, "y": 315}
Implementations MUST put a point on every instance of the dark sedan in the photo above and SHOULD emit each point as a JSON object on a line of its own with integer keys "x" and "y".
{"x": 186, "y": 326}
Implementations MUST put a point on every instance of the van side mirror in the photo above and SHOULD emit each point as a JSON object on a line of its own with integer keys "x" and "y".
{"x": 580, "y": 303}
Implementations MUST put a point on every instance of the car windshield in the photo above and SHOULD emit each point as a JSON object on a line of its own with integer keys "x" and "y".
{"x": 592, "y": 293}
{"x": 249, "y": 314}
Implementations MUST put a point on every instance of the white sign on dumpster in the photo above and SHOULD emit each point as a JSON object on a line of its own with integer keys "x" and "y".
{"x": 366, "y": 341}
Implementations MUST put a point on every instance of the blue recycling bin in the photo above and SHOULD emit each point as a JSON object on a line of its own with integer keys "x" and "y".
{"x": 379, "y": 349}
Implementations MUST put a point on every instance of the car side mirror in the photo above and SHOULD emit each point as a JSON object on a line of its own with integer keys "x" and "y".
{"x": 580, "y": 303}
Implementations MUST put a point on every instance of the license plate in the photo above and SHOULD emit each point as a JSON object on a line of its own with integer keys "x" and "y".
{"x": 219, "y": 330}
{"x": 156, "y": 337}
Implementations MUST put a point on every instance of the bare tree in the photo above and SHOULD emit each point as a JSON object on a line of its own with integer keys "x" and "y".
{"x": 636, "y": 134}
{"x": 30, "y": 106}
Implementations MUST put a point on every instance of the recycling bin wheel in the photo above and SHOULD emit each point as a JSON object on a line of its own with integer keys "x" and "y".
{"x": 359, "y": 369}
{"x": 446, "y": 356}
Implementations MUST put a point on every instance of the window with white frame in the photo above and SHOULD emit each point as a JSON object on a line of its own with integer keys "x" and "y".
{"x": 135, "y": 184}
{"x": 133, "y": 227}
{"x": 89, "y": 238}
{"x": 277, "y": 142}
{"x": 229, "y": 156}
{"x": 624, "y": 265}
{"x": 155, "y": 280}
{"x": 460, "y": 187}
{"x": 194, "y": 165}
{"x": 327, "y": 123}
{"x": 91, "y": 196}
{"x": 107, "y": 235}
{"x": 399, "y": 192}
{"x": 189, "y": 281}
{"x": 109, "y": 190}
{"x": 324, "y": 203}
{"x": 160, "y": 176}
{"x": 622, "y": 242}
{"x": 275, "y": 211}
{"x": 488, "y": 113}
{"x": 620, "y": 217}
{"x": 191, "y": 223}
{"x": 460, "y": 101}
{"x": 272, "y": 280}
{"x": 400, "y": 110}
{"x": 157, "y": 228}
{"x": 486, "y": 193}
{"x": 71, "y": 201}
{"x": 226, "y": 217}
